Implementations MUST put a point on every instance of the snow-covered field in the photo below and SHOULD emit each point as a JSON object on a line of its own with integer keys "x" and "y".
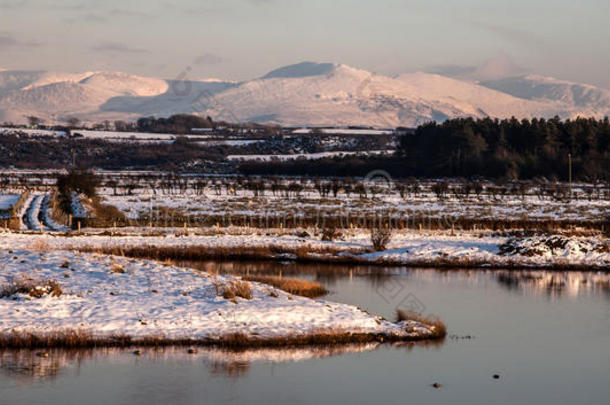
{"x": 31, "y": 131}
{"x": 109, "y": 296}
{"x": 309, "y": 203}
{"x": 144, "y": 137}
{"x": 467, "y": 249}
{"x": 343, "y": 131}
{"x": 309, "y": 156}
{"x": 6, "y": 203}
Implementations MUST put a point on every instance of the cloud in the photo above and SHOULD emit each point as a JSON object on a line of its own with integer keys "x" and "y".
{"x": 512, "y": 34}
{"x": 259, "y": 2}
{"x": 116, "y": 47}
{"x": 119, "y": 12}
{"x": 94, "y": 17}
{"x": 13, "y": 4}
{"x": 9, "y": 41}
{"x": 208, "y": 59}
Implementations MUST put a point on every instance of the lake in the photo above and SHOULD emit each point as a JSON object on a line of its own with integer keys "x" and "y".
{"x": 546, "y": 334}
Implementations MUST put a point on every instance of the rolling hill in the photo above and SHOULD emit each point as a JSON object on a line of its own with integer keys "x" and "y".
{"x": 307, "y": 93}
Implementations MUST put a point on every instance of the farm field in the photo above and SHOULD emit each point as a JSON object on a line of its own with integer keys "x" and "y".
{"x": 419, "y": 223}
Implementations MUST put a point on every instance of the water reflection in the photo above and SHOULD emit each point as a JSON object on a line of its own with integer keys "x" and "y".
{"x": 28, "y": 365}
{"x": 553, "y": 284}
{"x": 31, "y": 366}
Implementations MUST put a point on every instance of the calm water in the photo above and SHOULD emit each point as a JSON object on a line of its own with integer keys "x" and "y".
{"x": 546, "y": 334}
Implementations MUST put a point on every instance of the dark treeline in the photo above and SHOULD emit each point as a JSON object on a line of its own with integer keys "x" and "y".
{"x": 184, "y": 123}
{"x": 511, "y": 148}
{"x": 25, "y": 152}
{"x": 176, "y": 124}
{"x": 508, "y": 149}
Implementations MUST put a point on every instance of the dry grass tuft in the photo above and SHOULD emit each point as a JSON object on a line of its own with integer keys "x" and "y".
{"x": 237, "y": 288}
{"x": 295, "y": 286}
{"x": 39, "y": 245}
{"x": 117, "y": 268}
{"x": 440, "y": 329}
{"x": 33, "y": 288}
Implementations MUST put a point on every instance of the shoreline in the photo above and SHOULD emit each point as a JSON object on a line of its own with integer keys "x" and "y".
{"x": 71, "y": 299}
{"x": 79, "y": 340}
{"x": 215, "y": 254}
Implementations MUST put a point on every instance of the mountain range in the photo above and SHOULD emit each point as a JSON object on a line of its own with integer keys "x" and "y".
{"x": 307, "y": 93}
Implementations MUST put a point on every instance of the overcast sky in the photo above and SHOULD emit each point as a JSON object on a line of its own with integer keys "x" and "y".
{"x": 243, "y": 39}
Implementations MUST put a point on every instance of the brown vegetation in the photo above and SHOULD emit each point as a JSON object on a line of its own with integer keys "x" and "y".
{"x": 33, "y": 288}
{"x": 295, "y": 286}
{"x": 84, "y": 339}
{"x": 117, "y": 268}
{"x": 199, "y": 253}
{"x": 440, "y": 329}
{"x": 237, "y": 288}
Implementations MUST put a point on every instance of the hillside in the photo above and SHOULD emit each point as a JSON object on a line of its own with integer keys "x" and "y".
{"x": 305, "y": 93}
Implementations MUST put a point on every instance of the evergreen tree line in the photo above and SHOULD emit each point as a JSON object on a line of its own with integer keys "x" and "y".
{"x": 499, "y": 149}
{"x": 510, "y": 148}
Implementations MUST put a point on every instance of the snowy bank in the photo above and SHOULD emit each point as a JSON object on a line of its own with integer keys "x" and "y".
{"x": 109, "y": 300}
{"x": 437, "y": 249}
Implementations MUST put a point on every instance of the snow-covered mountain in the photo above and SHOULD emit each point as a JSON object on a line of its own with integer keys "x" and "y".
{"x": 532, "y": 87}
{"x": 305, "y": 93}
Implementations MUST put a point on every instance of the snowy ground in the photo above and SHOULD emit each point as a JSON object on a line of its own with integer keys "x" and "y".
{"x": 468, "y": 249}
{"x": 309, "y": 156}
{"x": 108, "y": 296}
{"x": 6, "y": 203}
{"x": 309, "y": 203}
{"x": 8, "y": 200}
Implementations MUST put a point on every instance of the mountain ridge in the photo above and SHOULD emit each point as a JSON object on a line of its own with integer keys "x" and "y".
{"x": 306, "y": 93}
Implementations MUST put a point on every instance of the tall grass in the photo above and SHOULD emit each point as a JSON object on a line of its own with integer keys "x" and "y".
{"x": 440, "y": 329}
{"x": 304, "y": 288}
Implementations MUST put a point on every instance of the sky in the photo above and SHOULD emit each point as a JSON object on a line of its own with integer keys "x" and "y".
{"x": 244, "y": 39}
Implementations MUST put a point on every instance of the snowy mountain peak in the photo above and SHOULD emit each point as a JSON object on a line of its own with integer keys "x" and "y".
{"x": 498, "y": 67}
{"x": 588, "y": 99}
{"x": 303, "y": 69}
{"x": 126, "y": 84}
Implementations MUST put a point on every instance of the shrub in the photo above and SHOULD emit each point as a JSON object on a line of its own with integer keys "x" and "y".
{"x": 237, "y": 288}
{"x": 330, "y": 231}
{"x": 380, "y": 237}
{"x": 35, "y": 289}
